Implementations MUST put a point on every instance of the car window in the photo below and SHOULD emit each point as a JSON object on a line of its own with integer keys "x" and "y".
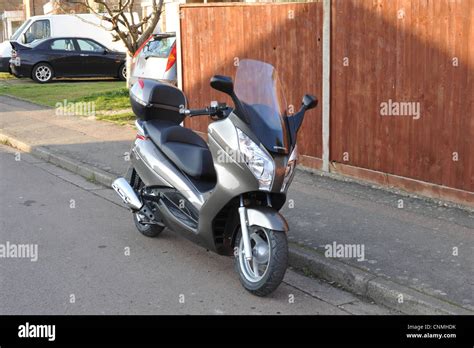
{"x": 89, "y": 46}
{"x": 159, "y": 47}
{"x": 38, "y": 30}
{"x": 62, "y": 45}
{"x": 17, "y": 33}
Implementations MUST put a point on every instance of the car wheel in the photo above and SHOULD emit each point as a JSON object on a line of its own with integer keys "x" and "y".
{"x": 123, "y": 72}
{"x": 42, "y": 73}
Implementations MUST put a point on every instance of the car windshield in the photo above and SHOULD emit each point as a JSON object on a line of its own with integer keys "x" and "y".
{"x": 258, "y": 87}
{"x": 17, "y": 33}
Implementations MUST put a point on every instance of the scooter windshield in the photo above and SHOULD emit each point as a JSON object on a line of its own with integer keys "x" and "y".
{"x": 258, "y": 88}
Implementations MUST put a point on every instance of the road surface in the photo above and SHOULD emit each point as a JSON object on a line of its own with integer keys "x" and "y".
{"x": 91, "y": 260}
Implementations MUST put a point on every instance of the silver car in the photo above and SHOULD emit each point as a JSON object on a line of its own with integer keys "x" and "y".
{"x": 156, "y": 59}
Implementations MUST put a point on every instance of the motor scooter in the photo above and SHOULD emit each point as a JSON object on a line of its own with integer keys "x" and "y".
{"x": 224, "y": 195}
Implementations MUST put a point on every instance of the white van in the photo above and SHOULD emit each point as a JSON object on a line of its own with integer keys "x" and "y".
{"x": 71, "y": 25}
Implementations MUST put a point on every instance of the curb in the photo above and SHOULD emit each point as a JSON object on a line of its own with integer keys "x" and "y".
{"x": 74, "y": 166}
{"x": 380, "y": 290}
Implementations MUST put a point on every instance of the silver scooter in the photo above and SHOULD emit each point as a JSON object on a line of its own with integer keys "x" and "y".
{"x": 224, "y": 195}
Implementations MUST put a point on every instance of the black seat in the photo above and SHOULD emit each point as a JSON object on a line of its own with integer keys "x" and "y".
{"x": 154, "y": 128}
{"x": 187, "y": 150}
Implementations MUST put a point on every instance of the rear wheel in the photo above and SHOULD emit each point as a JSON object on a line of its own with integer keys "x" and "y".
{"x": 140, "y": 220}
{"x": 123, "y": 72}
{"x": 42, "y": 73}
{"x": 265, "y": 272}
{"x": 146, "y": 229}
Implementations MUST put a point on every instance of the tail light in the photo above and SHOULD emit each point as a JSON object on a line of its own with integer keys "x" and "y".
{"x": 171, "y": 58}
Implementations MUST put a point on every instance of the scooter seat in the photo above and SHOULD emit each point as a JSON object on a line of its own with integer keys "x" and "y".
{"x": 187, "y": 150}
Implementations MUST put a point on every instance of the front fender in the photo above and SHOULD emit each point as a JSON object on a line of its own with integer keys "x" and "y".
{"x": 266, "y": 217}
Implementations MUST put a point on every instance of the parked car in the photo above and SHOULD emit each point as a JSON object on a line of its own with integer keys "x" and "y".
{"x": 53, "y": 26}
{"x": 66, "y": 57}
{"x": 156, "y": 59}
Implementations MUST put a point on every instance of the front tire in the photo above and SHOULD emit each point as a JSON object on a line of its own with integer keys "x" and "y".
{"x": 265, "y": 272}
{"x": 42, "y": 73}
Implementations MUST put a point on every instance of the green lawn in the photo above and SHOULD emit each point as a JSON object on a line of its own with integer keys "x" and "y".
{"x": 110, "y": 97}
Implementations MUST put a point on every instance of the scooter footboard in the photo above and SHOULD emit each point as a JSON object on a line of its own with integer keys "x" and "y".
{"x": 266, "y": 217}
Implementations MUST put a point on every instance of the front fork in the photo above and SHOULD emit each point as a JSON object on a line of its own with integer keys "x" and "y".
{"x": 244, "y": 229}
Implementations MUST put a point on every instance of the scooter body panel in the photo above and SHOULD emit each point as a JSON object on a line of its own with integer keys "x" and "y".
{"x": 233, "y": 179}
{"x": 156, "y": 169}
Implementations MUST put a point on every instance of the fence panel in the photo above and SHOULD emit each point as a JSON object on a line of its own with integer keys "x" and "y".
{"x": 389, "y": 52}
{"x": 215, "y": 36}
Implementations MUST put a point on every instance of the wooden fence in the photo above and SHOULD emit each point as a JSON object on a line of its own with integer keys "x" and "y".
{"x": 401, "y": 77}
{"x": 288, "y": 36}
{"x": 416, "y": 52}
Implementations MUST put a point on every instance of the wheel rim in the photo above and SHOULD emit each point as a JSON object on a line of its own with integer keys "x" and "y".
{"x": 124, "y": 71}
{"x": 43, "y": 73}
{"x": 255, "y": 269}
{"x": 140, "y": 218}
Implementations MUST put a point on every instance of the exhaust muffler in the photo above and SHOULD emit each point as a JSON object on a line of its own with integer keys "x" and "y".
{"x": 127, "y": 193}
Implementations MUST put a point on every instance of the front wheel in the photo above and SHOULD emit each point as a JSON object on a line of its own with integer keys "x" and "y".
{"x": 265, "y": 272}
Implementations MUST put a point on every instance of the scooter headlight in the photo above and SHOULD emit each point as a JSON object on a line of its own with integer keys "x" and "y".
{"x": 260, "y": 164}
{"x": 290, "y": 168}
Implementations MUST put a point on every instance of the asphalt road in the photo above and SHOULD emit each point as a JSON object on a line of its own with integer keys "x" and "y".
{"x": 91, "y": 260}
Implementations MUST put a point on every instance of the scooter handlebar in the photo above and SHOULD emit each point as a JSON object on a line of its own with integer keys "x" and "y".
{"x": 195, "y": 112}
{"x": 215, "y": 109}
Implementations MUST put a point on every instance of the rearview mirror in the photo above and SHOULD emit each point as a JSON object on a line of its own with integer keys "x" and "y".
{"x": 309, "y": 101}
{"x": 223, "y": 84}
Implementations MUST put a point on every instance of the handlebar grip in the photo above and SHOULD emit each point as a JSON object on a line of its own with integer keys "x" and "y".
{"x": 193, "y": 112}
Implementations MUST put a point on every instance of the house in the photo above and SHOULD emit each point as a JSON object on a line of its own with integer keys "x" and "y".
{"x": 14, "y": 12}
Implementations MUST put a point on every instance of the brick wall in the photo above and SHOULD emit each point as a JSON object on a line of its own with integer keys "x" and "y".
{"x": 8, "y": 5}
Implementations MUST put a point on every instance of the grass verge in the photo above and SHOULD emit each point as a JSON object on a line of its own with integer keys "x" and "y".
{"x": 110, "y": 98}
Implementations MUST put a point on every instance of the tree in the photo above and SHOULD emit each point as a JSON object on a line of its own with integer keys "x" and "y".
{"x": 122, "y": 24}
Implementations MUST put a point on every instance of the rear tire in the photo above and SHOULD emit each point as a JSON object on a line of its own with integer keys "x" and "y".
{"x": 122, "y": 74}
{"x": 147, "y": 230}
{"x": 277, "y": 248}
{"x": 42, "y": 73}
